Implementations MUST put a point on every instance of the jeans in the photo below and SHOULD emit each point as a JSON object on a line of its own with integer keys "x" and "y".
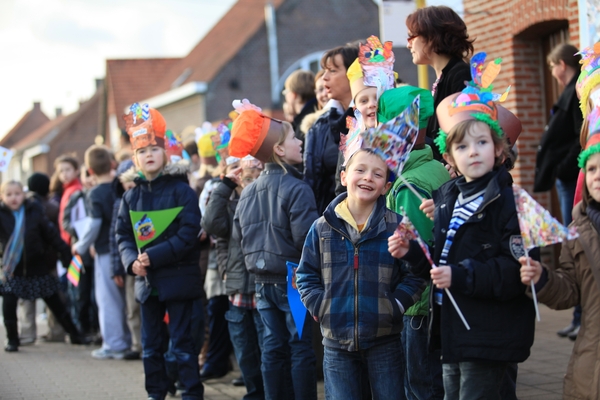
{"x": 423, "y": 377}
{"x": 566, "y": 195}
{"x": 219, "y": 345}
{"x": 246, "y": 331}
{"x": 182, "y": 347}
{"x": 384, "y": 364}
{"x": 281, "y": 345}
{"x": 472, "y": 380}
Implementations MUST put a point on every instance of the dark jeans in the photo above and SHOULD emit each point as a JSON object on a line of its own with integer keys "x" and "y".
{"x": 246, "y": 331}
{"x": 219, "y": 345}
{"x": 282, "y": 344}
{"x": 182, "y": 347}
{"x": 471, "y": 380}
{"x": 423, "y": 377}
{"x": 384, "y": 364}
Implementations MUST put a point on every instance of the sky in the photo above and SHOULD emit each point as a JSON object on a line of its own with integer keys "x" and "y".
{"x": 53, "y": 50}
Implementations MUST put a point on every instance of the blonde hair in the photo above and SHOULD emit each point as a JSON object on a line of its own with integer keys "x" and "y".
{"x": 302, "y": 83}
{"x": 460, "y": 130}
{"x": 10, "y": 183}
{"x": 286, "y": 129}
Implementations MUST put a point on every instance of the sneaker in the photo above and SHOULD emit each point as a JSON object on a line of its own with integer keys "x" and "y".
{"x": 26, "y": 341}
{"x": 564, "y": 332}
{"x": 573, "y": 335}
{"x": 104, "y": 354}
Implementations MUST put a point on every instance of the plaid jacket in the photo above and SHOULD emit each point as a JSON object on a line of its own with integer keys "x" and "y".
{"x": 349, "y": 282}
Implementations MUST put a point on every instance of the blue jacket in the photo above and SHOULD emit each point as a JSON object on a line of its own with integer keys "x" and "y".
{"x": 350, "y": 282}
{"x": 174, "y": 255}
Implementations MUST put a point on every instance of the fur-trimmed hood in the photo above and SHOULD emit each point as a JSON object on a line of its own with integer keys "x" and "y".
{"x": 180, "y": 168}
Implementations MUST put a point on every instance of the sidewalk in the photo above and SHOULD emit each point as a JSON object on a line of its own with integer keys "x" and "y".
{"x": 60, "y": 371}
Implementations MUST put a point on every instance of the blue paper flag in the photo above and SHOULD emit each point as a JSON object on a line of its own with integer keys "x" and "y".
{"x": 296, "y": 306}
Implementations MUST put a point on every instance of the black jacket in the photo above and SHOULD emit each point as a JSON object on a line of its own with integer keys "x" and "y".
{"x": 559, "y": 147}
{"x": 39, "y": 234}
{"x": 486, "y": 282}
{"x": 174, "y": 271}
{"x": 454, "y": 76}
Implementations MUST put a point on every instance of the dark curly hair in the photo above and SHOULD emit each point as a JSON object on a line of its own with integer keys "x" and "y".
{"x": 444, "y": 31}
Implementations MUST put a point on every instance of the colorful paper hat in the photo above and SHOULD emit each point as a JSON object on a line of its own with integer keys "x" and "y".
{"x": 252, "y": 132}
{"x": 392, "y": 141}
{"x": 589, "y": 78}
{"x": 476, "y": 101}
{"x": 592, "y": 144}
{"x": 374, "y": 67}
{"x": 394, "y": 101}
{"x": 173, "y": 146}
{"x": 250, "y": 162}
{"x": 220, "y": 145}
{"x": 145, "y": 126}
{"x": 204, "y": 140}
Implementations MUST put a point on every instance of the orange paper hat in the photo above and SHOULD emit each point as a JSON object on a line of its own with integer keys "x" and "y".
{"x": 145, "y": 126}
{"x": 253, "y": 132}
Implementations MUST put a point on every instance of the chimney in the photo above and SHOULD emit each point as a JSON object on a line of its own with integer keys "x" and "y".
{"x": 99, "y": 83}
{"x": 58, "y": 112}
{"x": 37, "y": 106}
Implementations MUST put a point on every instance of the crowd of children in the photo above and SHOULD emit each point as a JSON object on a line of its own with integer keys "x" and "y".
{"x": 416, "y": 272}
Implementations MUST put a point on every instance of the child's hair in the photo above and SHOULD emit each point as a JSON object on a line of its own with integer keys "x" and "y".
{"x": 370, "y": 151}
{"x": 191, "y": 147}
{"x": 287, "y": 127}
{"x": 56, "y": 186}
{"x": 98, "y": 159}
{"x": 567, "y": 53}
{"x": 460, "y": 130}
{"x": 302, "y": 83}
{"x": 67, "y": 158}
{"x": 10, "y": 183}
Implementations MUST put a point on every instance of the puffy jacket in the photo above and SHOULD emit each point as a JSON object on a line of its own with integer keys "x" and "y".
{"x": 39, "y": 233}
{"x": 486, "y": 281}
{"x": 174, "y": 271}
{"x": 350, "y": 282}
{"x": 271, "y": 221}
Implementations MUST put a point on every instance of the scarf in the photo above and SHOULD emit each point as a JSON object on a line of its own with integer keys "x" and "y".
{"x": 14, "y": 247}
{"x": 593, "y": 212}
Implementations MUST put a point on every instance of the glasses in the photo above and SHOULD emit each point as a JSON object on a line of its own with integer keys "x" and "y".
{"x": 410, "y": 38}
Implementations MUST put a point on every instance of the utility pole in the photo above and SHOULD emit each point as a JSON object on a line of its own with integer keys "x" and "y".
{"x": 422, "y": 70}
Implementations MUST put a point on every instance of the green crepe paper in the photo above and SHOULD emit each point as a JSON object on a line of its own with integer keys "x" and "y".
{"x": 392, "y": 102}
{"x": 584, "y": 155}
{"x": 442, "y": 136}
{"x": 440, "y": 141}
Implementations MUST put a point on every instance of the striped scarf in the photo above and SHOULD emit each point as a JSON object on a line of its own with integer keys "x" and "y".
{"x": 14, "y": 247}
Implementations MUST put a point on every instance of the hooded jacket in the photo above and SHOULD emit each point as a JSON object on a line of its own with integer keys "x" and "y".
{"x": 174, "y": 271}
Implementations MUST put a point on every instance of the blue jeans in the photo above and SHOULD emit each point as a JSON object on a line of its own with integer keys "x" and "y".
{"x": 473, "y": 380}
{"x": 384, "y": 364}
{"x": 566, "y": 195}
{"x": 423, "y": 377}
{"x": 246, "y": 331}
{"x": 282, "y": 347}
{"x": 182, "y": 347}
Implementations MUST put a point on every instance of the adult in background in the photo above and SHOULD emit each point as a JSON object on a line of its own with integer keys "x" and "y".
{"x": 322, "y": 100}
{"x": 299, "y": 93}
{"x": 438, "y": 37}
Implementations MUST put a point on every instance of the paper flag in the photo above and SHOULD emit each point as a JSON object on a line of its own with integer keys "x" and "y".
{"x": 5, "y": 157}
{"x": 74, "y": 270}
{"x": 407, "y": 230}
{"x": 148, "y": 225}
{"x": 538, "y": 227}
{"x": 296, "y": 306}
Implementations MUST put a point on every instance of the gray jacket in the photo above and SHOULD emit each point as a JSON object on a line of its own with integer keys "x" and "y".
{"x": 271, "y": 221}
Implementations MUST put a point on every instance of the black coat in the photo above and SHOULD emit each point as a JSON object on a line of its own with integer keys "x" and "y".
{"x": 39, "y": 234}
{"x": 560, "y": 146}
{"x": 486, "y": 282}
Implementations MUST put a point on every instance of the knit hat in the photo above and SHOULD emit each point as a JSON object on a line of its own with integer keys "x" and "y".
{"x": 250, "y": 162}
{"x": 589, "y": 78}
{"x": 145, "y": 126}
{"x": 476, "y": 101}
{"x": 39, "y": 183}
{"x": 374, "y": 67}
{"x": 123, "y": 167}
{"x": 253, "y": 132}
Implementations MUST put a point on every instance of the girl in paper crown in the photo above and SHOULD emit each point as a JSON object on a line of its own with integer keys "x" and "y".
{"x": 271, "y": 221}
{"x": 167, "y": 263}
{"x": 576, "y": 280}
{"x": 477, "y": 244}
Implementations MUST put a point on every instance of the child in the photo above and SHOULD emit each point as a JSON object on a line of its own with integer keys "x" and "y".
{"x": 168, "y": 265}
{"x": 353, "y": 287}
{"x": 575, "y": 281}
{"x": 110, "y": 298}
{"x": 25, "y": 231}
{"x": 271, "y": 221}
{"x": 67, "y": 169}
{"x": 477, "y": 239}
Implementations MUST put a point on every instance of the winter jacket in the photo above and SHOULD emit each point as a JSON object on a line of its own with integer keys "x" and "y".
{"x": 39, "y": 233}
{"x": 271, "y": 221}
{"x": 559, "y": 147}
{"x": 577, "y": 281}
{"x": 174, "y": 254}
{"x": 68, "y": 190}
{"x": 349, "y": 281}
{"x": 486, "y": 281}
{"x": 218, "y": 221}
{"x": 76, "y": 209}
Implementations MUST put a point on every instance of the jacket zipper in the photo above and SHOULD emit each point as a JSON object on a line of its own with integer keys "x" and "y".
{"x": 356, "y": 298}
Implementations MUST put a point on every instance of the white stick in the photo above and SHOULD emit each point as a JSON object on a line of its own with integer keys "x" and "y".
{"x": 412, "y": 189}
{"x": 460, "y": 314}
{"x": 535, "y": 302}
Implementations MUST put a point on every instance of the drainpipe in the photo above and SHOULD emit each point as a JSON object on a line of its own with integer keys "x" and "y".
{"x": 273, "y": 54}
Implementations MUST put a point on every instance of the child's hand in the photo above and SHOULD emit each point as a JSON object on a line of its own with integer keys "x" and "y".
{"x": 442, "y": 276}
{"x": 118, "y": 279}
{"x": 397, "y": 246}
{"x": 138, "y": 268}
{"x": 428, "y": 207}
{"x": 530, "y": 272}
{"x": 234, "y": 175}
{"x": 92, "y": 251}
{"x": 451, "y": 171}
{"x": 144, "y": 259}
{"x": 74, "y": 249}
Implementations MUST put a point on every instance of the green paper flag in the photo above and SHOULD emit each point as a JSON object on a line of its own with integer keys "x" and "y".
{"x": 148, "y": 225}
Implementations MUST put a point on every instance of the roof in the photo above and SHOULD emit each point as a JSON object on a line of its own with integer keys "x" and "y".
{"x": 31, "y": 121}
{"x": 220, "y": 44}
{"x": 131, "y": 80}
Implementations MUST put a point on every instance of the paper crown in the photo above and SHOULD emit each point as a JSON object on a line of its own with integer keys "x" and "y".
{"x": 173, "y": 146}
{"x": 250, "y": 162}
{"x": 394, "y": 101}
{"x": 252, "y": 132}
{"x": 145, "y": 126}
{"x": 589, "y": 78}
{"x": 392, "y": 141}
{"x": 374, "y": 67}
{"x": 204, "y": 134}
{"x": 592, "y": 144}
